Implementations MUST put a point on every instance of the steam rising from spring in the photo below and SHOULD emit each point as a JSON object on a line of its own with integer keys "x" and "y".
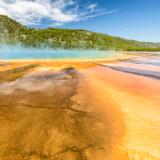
{"x": 9, "y": 52}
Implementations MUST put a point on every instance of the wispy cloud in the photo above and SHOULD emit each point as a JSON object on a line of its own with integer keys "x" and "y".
{"x": 58, "y": 12}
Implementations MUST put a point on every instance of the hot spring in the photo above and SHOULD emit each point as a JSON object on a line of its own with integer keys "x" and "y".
{"x": 19, "y": 52}
{"x": 103, "y": 105}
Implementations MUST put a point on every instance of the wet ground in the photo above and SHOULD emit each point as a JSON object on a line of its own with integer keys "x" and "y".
{"x": 81, "y": 110}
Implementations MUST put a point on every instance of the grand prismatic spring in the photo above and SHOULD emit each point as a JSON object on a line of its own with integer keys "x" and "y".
{"x": 79, "y": 107}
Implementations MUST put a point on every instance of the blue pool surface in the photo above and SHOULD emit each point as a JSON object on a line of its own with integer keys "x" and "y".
{"x": 18, "y": 52}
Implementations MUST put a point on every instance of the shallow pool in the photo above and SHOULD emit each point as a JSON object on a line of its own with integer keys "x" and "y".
{"x": 18, "y": 52}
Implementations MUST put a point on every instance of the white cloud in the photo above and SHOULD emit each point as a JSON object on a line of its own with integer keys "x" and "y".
{"x": 33, "y": 12}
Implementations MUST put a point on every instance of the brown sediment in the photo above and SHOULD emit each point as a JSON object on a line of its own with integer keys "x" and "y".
{"x": 55, "y": 120}
{"x": 15, "y": 72}
{"x": 78, "y": 111}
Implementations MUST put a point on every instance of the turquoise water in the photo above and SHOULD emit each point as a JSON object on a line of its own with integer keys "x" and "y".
{"x": 18, "y": 52}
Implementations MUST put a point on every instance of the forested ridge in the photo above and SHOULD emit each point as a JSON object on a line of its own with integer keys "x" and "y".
{"x": 12, "y": 32}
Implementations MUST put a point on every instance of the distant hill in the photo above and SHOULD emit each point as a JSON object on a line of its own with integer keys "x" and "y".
{"x": 13, "y": 32}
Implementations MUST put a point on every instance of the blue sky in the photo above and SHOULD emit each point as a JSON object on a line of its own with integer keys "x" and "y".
{"x": 135, "y": 19}
{"x": 132, "y": 19}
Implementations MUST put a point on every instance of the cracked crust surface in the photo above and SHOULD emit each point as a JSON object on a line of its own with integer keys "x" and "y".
{"x": 47, "y": 115}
